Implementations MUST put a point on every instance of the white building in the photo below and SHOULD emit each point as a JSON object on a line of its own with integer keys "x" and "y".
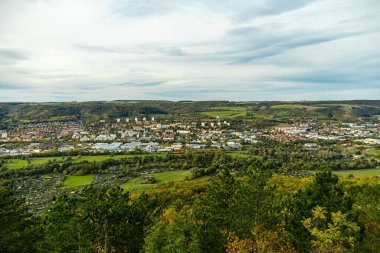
{"x": 3, "y": 134}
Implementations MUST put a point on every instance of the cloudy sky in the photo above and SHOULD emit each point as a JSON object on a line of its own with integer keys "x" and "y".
{"x": 80, "y": 50}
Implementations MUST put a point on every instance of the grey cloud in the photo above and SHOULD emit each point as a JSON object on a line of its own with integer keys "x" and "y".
{"x": 186, "y": 93}
{"x": 272, "y": 7}
{"x": 142, "y": 8}
{"x": 140, "y": 84}
{"x": 174, "y": 51}
{"x": 8, "y": 86}
{"x": 242, "y": 11}
{"x": 167, "y": 68}
{"x": 12, "y": 54}
{"x": 100, "y": 49}
{"x": 333, "y": 80}
{"x": 274, "y": 45}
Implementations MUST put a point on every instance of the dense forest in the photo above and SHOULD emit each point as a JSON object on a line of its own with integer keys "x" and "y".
{"x": 248, "y": 213}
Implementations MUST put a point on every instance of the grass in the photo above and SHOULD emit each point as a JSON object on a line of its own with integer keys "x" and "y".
{"x": 373, "y": 152}
{"x": 230, "y": 108}
{"x": 22, "y": 163}
{"x": 77, "y": 181}
{"x": 262, "y": 116}
{"x": 226, "y": 112}
{"x": 137, "y": 184}
{"x": 341, "y": 105}
{"x": 101, "y": 158}
{"x": 14, "y": 164}
{"x": 359, "y": 173}
{"x": 295, "y": 106}
{"x": 238, "y": 154}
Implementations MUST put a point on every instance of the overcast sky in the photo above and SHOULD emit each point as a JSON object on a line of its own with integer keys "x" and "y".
{"x": 79, "y": 50}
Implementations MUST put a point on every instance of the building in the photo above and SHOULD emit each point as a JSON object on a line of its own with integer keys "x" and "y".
{"x": 3, "y": 134}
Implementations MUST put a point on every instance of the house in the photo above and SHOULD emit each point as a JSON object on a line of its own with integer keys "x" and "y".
{"x": 65, "y": 148}
{"x": 3, "y": 134}
{"x": 176, "y": 150}
{"x": 232, "y": 144}
{"x": 46, "y": 146}
{"x": 311, "y": 145}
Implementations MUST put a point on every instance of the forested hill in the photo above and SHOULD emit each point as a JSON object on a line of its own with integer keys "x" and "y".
{"x": 35, "y": 112}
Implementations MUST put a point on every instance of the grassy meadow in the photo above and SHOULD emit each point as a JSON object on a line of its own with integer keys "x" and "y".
{"x": 139, "y": 184}
{"x": 359, "y": 173}
{"x": 77, "y": 181}
{"x": 14, "y": 164}
{"x": 226, "y": 112}
{"x": 22, "y": 163}
{"x": 373, "y": 152}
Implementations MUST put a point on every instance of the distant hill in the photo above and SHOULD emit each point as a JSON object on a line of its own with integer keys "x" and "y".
{"x": 15, "y": 113}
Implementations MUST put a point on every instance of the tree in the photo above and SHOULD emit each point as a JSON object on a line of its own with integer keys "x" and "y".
{"x": 65, "y": 227}
{"x": 216, "y": 212}
{"x": 324, "y": 191}
{"x": 235, "y": 207}
{"x": 99, "y": 219}
{"x": 254, "y": 203}
{"x": 173, "y": 232}
{"x": 335, "y": 236}
{"x": 261, "y": 241}
{"x": 18, "y": 229}
{"x": 367, "y": 202}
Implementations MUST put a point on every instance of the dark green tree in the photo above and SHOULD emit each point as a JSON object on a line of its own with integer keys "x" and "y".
{"x": 19, "y": 231}
{"x": 325, "y": 191}
{"x": 173, "y": 232}
{"x": 216, "y": 212}
{"x": 66, "y": 228}
{"x": 98, "y": 219}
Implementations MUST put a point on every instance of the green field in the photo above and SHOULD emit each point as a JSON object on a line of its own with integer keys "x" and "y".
{"x": 22, "y": 163}
{"x": 373, "y": 152}
{"x": 137, "y": 184}
{"x": 226, "y": 112}
{"x": 262, "y": 116}
{"x": 238, "y": 154}
{"x": 295, "y": 106}
{"x": 359, "y": 173}
{"x": 77, "y": 181}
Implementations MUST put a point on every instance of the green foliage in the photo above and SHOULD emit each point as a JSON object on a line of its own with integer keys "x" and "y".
{"x": 325, "y": 191}
{"x": 232, "y": 206}
{"x": 217, "y": 212}
{"x": 65, "y": 227}
{"x": 174, "y": 232}
{"x": 242, "y": 209}
{"x": 367, "y": 203}
{"x": 100, "y": 219}
{"x": 335, "y": 236}
{"x": 19, "y": 231}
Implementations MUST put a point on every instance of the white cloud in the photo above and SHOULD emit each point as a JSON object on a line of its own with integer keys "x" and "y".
{"x": 93, "y": 49}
